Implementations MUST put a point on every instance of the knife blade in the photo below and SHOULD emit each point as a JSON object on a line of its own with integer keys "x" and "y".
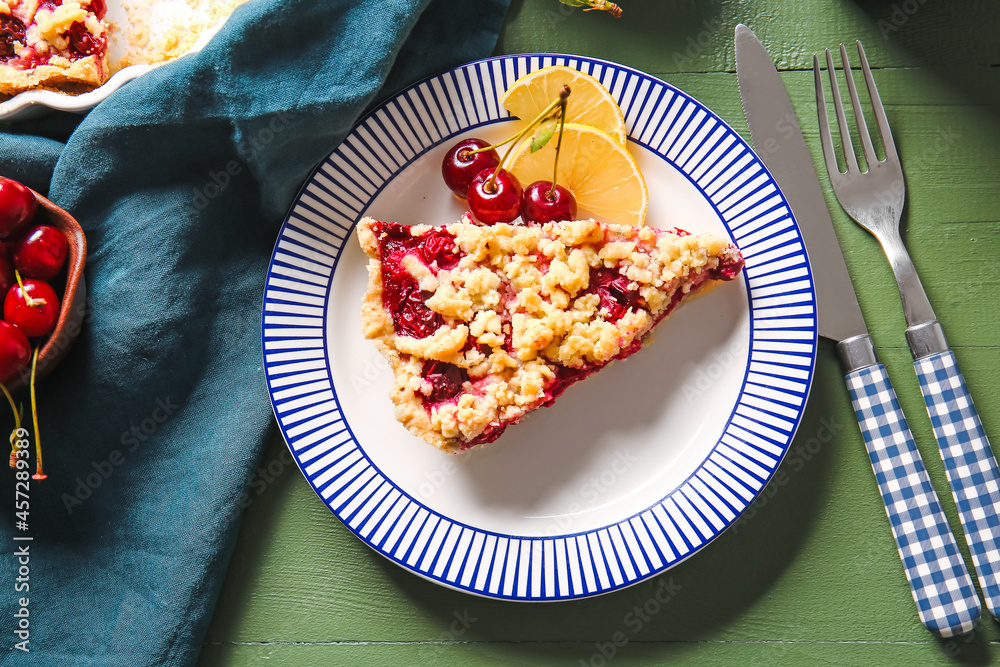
{"x": 779, "y": 143}
{"x": 946, "y": 598}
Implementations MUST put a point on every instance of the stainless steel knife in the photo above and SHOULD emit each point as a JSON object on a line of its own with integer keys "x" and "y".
{"x": 939, "y": 580}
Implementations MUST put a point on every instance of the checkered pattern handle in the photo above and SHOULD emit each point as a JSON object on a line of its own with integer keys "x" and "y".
{"x": 969, "y": 462}
{"x": 941, "y": 586}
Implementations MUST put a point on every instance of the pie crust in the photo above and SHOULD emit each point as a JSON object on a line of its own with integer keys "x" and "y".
{"x": 483, "y": 324}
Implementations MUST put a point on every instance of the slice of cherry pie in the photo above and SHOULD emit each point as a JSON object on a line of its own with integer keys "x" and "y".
{"x": 483, "y": 324}
{"x": 52, "y": 44}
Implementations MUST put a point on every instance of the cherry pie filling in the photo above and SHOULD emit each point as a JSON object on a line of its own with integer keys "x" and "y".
{"x": 11, "y": 31}
{"x": 401, "y": 295}
{"x": 617, "y": 298}
{"x": 72, "y": 43}
{"x": 436, "y": 248}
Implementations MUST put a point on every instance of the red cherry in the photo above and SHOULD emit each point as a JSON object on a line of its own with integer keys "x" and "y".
{"x": 460, "y": 165}
{"x": 497, "y": 199}
{"x": 15, "y": 350}
{"x": 17, "y": 206}
{"x": 542, "y": 203}
{"x": 11, "y": 31}
{"x": 413, "y": 318}
{"x": 445, "y": 379}
{"x": 82, "y": 41}
{"x": 6, "y": 270}
{"x": 613, "y": 290}
{"x": 33, "y": 309}
{"x": 41, "y": 252}
{"x": 99, "y": 7}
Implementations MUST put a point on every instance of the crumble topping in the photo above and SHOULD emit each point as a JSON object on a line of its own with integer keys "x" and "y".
{"x": 51, "y": 26}
{"x": 482, "y": 324}
{"x": 445, "y": 344}
{"x": 170, "y": 36}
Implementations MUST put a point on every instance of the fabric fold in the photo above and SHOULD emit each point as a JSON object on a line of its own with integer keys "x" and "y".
{"x": 154, "y": 423}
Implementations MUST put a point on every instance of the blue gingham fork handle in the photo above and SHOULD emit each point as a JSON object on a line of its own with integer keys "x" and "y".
{"x": 941, "y": 586}
{"x": 969, "y": 462}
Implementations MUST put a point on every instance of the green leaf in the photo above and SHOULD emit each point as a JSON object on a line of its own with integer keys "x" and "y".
{"x": 543, "y": 133}
{"x": 575, "y": 3}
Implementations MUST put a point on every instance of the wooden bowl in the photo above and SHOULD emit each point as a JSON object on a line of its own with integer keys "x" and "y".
{"x": 73, "y": 305}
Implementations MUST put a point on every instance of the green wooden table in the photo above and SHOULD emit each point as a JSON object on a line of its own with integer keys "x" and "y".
{"x": 810, "y": 574}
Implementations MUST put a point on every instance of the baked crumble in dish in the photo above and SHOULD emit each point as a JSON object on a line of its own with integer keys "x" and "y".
{"x": 483, "y": 324}
{"x": 52, "y": 44}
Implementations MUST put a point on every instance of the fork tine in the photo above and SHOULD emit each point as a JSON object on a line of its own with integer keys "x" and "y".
{"x": 859, "y": 118}
{"x": 824, "y": 122}
{"x": 883, "y": 122}
{"x": 838, "y": 106}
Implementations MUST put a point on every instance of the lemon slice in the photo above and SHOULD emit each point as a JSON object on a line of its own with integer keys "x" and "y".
{"x": 596, "y": 168}
{"x": 589, "y": 102}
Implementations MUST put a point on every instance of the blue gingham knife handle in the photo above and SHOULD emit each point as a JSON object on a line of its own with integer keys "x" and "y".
{"x": 941, "y": 586}
{"x": 970, "y": 465}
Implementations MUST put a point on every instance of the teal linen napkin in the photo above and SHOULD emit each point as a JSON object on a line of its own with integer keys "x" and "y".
{"x": 154, "y": 423}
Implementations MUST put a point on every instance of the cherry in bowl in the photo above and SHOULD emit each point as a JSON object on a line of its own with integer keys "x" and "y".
{"x": 40, "y": 252}
{"x": 72, "y": 288}
{"x": 17, "y": 206}
{"x": 32, "y": 306}
{"x": 15, "y": 351}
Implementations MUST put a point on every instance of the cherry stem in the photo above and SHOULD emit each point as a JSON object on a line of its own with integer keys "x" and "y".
{"x": 28, "y": 301}
{"x": 562, "y": 123}
{"x": 559, "y": 101}
{"x": 39, "y": 474}
{"x": 538, "y": 118}
{"x": 17, "y": 424}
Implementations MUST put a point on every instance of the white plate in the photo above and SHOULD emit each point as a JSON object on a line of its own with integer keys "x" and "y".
{"x": 629, "y": 472}
{"x": 159, "y": 15}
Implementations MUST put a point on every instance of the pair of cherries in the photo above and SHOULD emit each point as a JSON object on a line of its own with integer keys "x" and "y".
{"x": 494, "y": 194}
{"x": 30, "y": 256}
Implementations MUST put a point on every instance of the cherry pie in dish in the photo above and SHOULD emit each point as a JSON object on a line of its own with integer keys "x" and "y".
{"x": 483, "y": 324}
{"x": 52, "y": 44}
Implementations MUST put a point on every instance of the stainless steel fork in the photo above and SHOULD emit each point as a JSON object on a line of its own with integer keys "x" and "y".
{"x": 874, "y": 199}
